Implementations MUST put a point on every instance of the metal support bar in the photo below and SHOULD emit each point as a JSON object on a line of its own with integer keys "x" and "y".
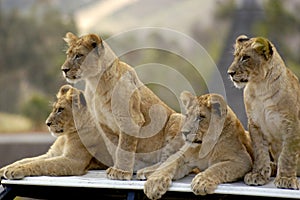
{"x": 6, "y": 193}
{"x": 131, "y": 195}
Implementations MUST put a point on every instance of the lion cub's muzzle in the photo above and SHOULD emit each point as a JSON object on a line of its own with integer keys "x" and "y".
{"x": 65, "y": 71}
{"x": 70, "y": 75}
{"x": 191, "y": 137}
{"x": 231, "y": 73}
{"x": 237, "y": 78}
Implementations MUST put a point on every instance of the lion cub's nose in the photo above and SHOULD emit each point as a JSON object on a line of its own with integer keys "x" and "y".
{"x": 48, "y": 123}
{"x": 231, "y": 73}
{"x": 185, "y": 132}
{"x": 65, "y": 70}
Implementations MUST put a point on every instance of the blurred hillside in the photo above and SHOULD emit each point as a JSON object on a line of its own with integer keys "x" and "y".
{"x": 32, "y": 49}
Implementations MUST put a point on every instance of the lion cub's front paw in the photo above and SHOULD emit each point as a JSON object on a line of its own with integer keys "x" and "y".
{"x": 118, "y": 174}
{"x": 14, "y": 173}
{"x": 202, "y": 185}
{"x": 287, "y": 182}
{"x": 259, "y": 178}
{"x": 2, "y": 172}
{"x": 256, "y": 179}
{"x": 156, "y": 186}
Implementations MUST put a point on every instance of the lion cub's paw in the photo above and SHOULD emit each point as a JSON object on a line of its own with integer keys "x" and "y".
{"x": 14, "y": 173}
{"x": 118, "y": 174}
{"x": 156, "y": 186}
{"x": 202, "y": 185}
{"x": 2, "y": 172}
{"x": 256, "y": 179}
{"x": 287, "y": 182}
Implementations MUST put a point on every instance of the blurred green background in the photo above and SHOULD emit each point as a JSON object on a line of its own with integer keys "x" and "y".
{"x": 32, "y": 49}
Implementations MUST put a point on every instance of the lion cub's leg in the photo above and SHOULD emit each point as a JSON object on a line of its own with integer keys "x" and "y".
{"x": 261, "y": 171}
{"x": 61, "y": 159}
{"x": 147, "y": 171}
{"x": 206, "y": 182}
{"x": 175, "y": 167}
{"x": 54, "y": 150}
{"x": 287, "y": 163}
{"x": 125, "y": 155}
{"x": 174, "y": 138}
{"x": 56, "y": 166}
{"x": 23, "y": 161}
{"x": 174, "y": 141}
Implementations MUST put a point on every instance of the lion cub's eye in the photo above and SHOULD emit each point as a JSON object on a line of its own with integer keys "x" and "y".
{"x": 59, "y": 110}
{"x": 244, "y": 58}
{"x": 78, "y": 56}
{"x": 200, "y": 117}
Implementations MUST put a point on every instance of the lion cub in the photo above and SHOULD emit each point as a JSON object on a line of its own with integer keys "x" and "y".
{"x": 71, "y": 153}
{"x": 271, "y": 97}
{"x": 216, "y": 144}
{"x": 139, "y": 129}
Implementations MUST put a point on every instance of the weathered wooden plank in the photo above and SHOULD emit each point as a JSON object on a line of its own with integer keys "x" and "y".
{"x": 97, "y": 179}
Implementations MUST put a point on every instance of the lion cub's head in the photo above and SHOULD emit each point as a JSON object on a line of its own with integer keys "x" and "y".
{"x": 69, "y": 102}
{"x": 83, "y": 56}
{"x": 205, "y": 117}
{"x": 251, "y": 60}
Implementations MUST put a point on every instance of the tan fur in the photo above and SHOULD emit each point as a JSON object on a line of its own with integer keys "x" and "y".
{"x": 76, "y": 143}
{"x": 216, "y": 144}
{"x": 139, "y": 129}
{"x": 271, "y": 97}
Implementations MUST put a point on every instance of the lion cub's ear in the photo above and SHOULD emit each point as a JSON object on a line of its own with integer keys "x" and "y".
{"x": 70, "y": 38}
{"x": 94, "y": 40}
{"x": 63, "y": 90}
{"x": 241, "y": 38}
{"x": 218, "y": 105}
{"x": 79, "y": 100}
{"x": 239, "y": 42}
{"x": 263, "y": 47}
{"x": 82, "y": 99}
{"x": 219, "y": 111}
{"x": 187, "y": 99}
{"x": 76, "y": 97}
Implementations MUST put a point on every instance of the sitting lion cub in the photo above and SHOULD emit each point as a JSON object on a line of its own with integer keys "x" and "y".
{"x": 139, "y": 129}
{"x": 68, "y": 155}
{"x": 216, "y": 144}
{"x": 272, "y": 101}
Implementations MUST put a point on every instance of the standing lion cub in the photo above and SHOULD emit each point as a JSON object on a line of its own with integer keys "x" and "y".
{"x": 272, "y": 101}
{"x": 216, "y": 144}
{"x": 76, "y": 144}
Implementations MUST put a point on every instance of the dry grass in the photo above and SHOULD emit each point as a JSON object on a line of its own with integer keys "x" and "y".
{"x": 14, "y": 123}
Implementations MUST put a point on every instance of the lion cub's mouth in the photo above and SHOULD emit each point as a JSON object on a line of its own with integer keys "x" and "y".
{"x": 239, "y": 80}
{"x": 244, "y": 80}
{"x": 193, "y": 138}
{"x": 53, "y": 130}
{"x": 73, "y": 77}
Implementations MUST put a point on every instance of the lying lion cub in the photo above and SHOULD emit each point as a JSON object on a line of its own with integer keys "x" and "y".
{"x": 140, "y": 130}
{"x": 272, "y": 101}
{"x": 216, "y": 144}
{"x": 68, "y": 155}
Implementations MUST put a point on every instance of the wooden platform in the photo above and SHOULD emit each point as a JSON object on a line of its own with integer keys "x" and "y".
{"x": 97, "y": 180}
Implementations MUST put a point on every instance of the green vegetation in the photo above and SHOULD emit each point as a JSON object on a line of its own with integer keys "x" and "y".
{"x": 282, "y": 26}
{"x": 31, "y": 55}
{"x": 37, "y": 109}
{"x": 32, "y": 51}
